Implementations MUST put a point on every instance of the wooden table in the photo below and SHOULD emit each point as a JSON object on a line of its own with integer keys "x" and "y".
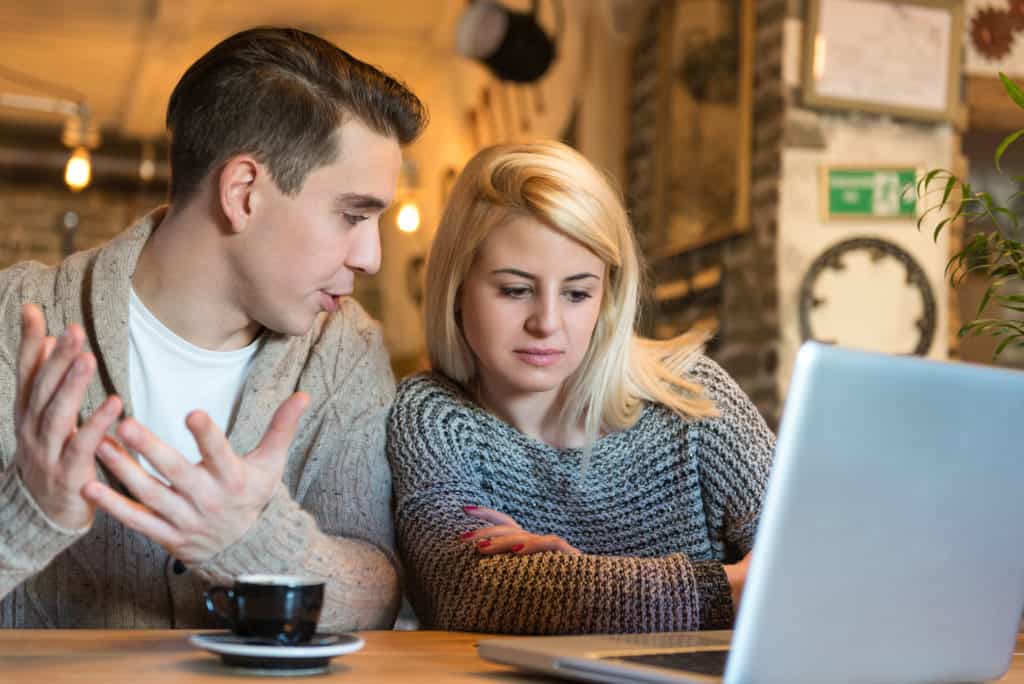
{"x": 113, "y": 657}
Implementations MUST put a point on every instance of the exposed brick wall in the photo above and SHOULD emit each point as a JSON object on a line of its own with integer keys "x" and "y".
{"x": 745, "y": 301}
{"x": 31, "y": 219}
{"x": 750, "y": 307}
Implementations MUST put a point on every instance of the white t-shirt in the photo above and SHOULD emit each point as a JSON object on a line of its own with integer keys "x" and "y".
{"x": 169, "y": 377}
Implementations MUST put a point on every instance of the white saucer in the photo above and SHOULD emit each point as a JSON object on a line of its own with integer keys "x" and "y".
{"x": 272, "y": 659}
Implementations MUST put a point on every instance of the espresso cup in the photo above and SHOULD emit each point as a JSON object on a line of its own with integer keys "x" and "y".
{"x": 282, "y": 608}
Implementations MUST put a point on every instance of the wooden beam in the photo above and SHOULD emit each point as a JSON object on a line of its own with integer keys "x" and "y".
{"x": 989, "y": 107}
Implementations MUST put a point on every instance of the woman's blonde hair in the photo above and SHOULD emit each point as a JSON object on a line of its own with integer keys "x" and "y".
{"x": 555, "y": 185}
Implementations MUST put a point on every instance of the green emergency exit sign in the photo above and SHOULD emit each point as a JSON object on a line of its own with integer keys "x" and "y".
{"x": 869, "y": 193}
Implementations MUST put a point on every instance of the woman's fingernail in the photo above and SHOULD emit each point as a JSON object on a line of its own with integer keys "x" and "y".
{"x": 466, "y": 535}
{"x": 485, "y": 542}
{"x": 517, "y": 547}
{"x": 106, "y": 450}
{"x": 470, "y": 508}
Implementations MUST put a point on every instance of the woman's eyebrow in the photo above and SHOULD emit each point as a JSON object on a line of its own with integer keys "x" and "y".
{"x": 515, "y": 272}
{"x": 530, "y": 276}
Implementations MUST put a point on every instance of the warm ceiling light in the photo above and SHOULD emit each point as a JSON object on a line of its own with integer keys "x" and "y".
{"x": 408, "y": 218}
{"x": 147, "y": 163}
{"x": 78, "y": 171}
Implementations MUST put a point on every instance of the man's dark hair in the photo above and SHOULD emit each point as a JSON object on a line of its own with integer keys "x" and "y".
{"x": 278, "y": 94}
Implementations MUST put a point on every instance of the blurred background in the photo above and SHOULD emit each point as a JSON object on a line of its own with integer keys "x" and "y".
{"x": 761, "y": 145}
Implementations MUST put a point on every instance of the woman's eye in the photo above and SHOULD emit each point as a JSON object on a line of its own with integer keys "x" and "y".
{"x": 353, "y": 219}
{"x": 515, "y": 292}
{"x": 578, "y": 295}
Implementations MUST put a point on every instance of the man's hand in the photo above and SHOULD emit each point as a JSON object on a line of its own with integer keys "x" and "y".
{"x": 506, "y": 536}
{"x": 737, "y": 576}
{"x": 208, "y": 506}
{"x": 54, "y": 456}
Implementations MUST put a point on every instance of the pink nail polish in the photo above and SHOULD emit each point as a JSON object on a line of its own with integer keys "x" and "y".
{"x": 485, "y": 542}
{"x": 466, "y": 535}
{"x": 517, "y": 547}
{"x": 470, "y": 508}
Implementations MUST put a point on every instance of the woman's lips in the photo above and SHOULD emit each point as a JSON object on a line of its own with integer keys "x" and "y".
{"x": 539, "y": 357}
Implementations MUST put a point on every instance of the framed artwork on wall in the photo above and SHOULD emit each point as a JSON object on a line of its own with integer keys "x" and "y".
{"x": 688, "y": 156}
{"x": 899, "y": 57}
{"x": 690, "y": 126}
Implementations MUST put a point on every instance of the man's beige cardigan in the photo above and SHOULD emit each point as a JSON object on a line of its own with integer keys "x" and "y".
{"x": 330, "y": 519}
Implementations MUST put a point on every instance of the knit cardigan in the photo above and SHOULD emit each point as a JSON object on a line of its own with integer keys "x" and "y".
{"x": 660, "y": 508}
{"x": 329, "y": 518}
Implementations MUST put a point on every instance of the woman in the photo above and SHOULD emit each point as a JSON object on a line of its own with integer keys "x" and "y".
{"x": 556, "y": 473}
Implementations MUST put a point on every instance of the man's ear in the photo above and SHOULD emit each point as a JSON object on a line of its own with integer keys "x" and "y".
{"x": 235, "y": 191}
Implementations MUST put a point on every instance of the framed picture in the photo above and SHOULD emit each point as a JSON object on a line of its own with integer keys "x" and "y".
{"x": 688, "y": 160}
{"x": 898, "y": 57}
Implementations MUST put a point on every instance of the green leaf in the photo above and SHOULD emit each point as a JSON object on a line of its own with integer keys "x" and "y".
{"x": 1007, "y": 141}
{"x": 1001, "y": 347}
{"x": 1014, "y": 91}
{"x": 922, "y": 217}
{"x": 950, "y": 184}
{"x": 923, "y": 183}
{"x": 984, "y": 300}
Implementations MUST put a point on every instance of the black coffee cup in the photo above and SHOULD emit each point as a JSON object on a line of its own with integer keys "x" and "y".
{"x": 281, "y": 608}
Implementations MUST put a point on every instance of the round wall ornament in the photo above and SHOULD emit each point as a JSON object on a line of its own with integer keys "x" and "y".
{"x": 869, "y": 293}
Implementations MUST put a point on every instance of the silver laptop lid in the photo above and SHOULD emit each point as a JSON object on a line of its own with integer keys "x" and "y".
{"x": 891, "y": 542}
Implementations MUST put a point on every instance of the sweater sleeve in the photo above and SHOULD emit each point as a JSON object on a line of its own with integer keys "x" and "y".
{"x": 453, "y": 587}
{"x": 29, "y": 540}
{"x": 333, "y": 520}
{"x": 734, "y": 453}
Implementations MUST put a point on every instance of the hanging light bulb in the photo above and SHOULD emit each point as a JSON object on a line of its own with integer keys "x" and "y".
{"x": 147, "y": 164}
{"x": 408, "y": 218}
{"x": 78, "y": 171}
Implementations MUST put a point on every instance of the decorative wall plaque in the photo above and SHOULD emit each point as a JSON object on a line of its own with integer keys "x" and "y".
{"x": 826, "y": 308}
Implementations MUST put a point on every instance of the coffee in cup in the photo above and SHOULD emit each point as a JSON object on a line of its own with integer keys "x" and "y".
{"x": 281, "y": 608}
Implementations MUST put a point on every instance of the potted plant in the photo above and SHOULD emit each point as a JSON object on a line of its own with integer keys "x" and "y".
{"x": 996, "y": 252}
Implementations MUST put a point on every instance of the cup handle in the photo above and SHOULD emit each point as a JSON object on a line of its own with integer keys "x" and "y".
{"x": 211, "y": 602}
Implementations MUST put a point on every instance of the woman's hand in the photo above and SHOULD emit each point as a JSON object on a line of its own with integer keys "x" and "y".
{"x": 736, "y": 574}
{"x": 506, "y": 536}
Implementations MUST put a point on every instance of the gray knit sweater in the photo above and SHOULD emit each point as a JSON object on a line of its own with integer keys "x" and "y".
{"x": 329, "y": 518}
{"x": 661, "y": 507}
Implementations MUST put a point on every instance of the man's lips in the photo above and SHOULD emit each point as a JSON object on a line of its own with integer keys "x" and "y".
{"x": 329, "y": 301}
{"x": 539, "y": 357}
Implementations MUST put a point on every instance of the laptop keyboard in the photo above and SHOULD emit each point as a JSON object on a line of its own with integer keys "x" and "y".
{"x": 703, "y": 662}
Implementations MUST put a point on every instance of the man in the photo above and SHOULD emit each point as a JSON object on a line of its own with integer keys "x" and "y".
{"x": 232, "y": 299}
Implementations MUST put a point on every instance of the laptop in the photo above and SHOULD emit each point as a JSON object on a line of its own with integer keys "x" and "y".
{"x": 890, "y": 546}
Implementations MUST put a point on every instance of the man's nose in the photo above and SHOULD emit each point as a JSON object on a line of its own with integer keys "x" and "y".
{"x": 364, "y": 256}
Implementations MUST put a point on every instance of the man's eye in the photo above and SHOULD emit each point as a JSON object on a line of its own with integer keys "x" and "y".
{"x": 353, "y": 219}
